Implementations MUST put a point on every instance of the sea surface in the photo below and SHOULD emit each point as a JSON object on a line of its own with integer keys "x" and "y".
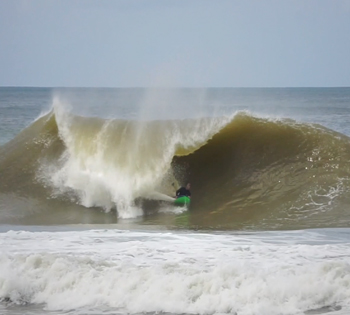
{"x": 87, "y": 221}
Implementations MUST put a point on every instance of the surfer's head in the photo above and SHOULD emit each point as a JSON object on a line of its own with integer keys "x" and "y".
{"x": 188, "y": 186}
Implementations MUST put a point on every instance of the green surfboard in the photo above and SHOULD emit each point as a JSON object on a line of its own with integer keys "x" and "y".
{"x": 182, "y": 201}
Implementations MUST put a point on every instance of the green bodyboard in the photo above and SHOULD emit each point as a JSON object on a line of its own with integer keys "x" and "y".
{"x": 182, "y": 201}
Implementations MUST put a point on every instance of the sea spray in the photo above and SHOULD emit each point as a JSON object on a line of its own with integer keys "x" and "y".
{"x": 111, "y": 162}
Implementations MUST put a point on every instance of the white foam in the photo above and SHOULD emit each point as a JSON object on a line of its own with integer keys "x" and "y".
{"x": 178, "y": 273}
{"x": 103, "y": 173}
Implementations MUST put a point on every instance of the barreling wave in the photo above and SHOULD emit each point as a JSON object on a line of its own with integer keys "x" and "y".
{"x": 246, "y": 171}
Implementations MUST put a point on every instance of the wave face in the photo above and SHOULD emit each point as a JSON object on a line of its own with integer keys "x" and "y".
{"x": 246, "y": 171}
{"x": 272, "y": 174}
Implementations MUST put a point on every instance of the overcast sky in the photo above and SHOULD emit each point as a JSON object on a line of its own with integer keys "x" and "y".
{"x": 187, "y": 43}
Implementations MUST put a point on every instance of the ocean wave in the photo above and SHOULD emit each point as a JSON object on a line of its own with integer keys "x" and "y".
{"x": 246, "y": 171}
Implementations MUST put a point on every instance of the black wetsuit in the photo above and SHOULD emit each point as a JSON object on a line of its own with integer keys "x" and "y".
{"x": 183, "y": 192}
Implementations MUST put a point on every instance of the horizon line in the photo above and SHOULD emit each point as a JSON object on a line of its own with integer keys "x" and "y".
{"x": 174, "y": 87}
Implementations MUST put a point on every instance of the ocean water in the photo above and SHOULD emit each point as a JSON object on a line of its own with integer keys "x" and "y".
{"x": 87, "y": 179}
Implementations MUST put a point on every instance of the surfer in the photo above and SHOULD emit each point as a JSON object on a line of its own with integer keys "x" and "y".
{"x": 184, "y": 191}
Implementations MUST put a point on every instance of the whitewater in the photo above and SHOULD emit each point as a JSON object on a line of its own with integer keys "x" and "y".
{"x": 87, "y": 224}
